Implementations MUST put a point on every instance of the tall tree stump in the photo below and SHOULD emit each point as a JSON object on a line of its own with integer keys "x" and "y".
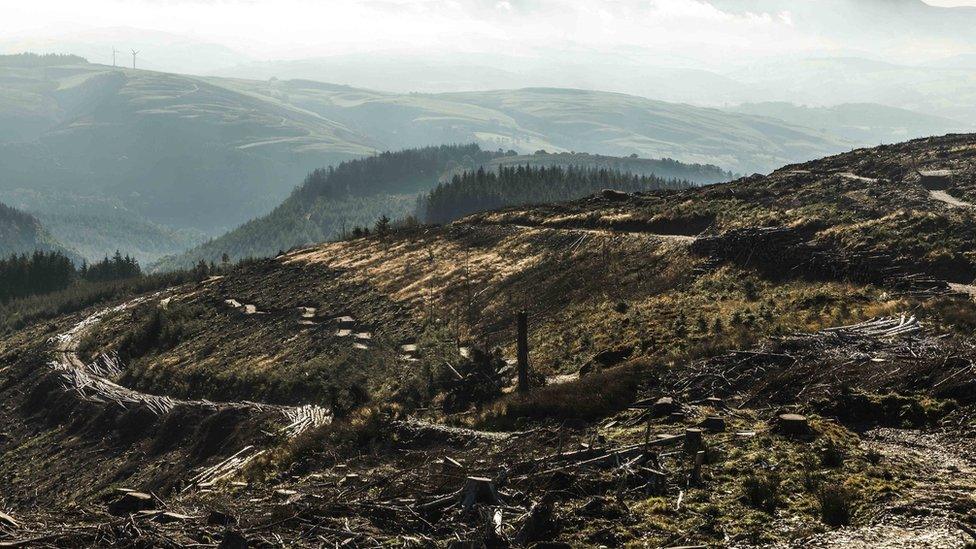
{"x": 694, "y": 440}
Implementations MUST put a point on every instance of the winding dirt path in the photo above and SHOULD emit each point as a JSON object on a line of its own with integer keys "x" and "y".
{"x": 91, "y": 382}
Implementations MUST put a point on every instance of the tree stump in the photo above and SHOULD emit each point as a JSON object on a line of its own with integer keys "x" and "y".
{"x": 663, "y": 406}
{"x": 697, "y": 470}
{"x": 233, "y": 540}
{"x": 478, "y": 490}
{"x": 793, "y": 425}
{"x": 538, "y": 524}
{"x": 714, "y": 424}
{"x": 694, "y": 440}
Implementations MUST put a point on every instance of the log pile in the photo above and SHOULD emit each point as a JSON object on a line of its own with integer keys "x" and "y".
{"x": 880, "y": 354}
{"x": 303, "y": 418}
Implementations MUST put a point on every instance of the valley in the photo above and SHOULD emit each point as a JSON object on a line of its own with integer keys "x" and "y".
{"x": 781, "y": 360}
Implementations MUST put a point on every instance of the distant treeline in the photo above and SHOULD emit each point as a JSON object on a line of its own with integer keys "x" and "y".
{"x": 40, "y": 60}
{"x": 668, "y": 168}
{"x": 481, "y": 190}
{"x": 401, "y": 172}
{"x": 44, "y": 272}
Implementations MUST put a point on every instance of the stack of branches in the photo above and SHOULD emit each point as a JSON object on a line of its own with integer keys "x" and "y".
{"x": 880, "y": 355}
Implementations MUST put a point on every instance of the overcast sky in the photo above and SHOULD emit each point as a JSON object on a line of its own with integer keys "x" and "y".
{"x": 291, "y": 29}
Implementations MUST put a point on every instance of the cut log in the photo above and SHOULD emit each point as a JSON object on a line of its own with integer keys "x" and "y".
{"x": 714, "y": 402}
{"x": 676, "y": 417}
{"x": 793, "y": 425}
{"x": 219, "y": 518}
{"x": 478, "y": 490}
{"x": 451, "y": 466}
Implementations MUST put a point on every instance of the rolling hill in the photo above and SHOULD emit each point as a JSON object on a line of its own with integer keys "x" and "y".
{"x": 173, "y": 152}
{"x": 22, "y": 233}
{"x": 856, "y": 122}
{"x": 556, "y": 120}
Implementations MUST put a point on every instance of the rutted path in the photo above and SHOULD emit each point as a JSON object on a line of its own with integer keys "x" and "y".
{"x": 91, "y": 382}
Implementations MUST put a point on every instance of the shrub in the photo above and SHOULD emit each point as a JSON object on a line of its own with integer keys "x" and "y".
{"x": 836, "y": 504}
{"x": 762, "y": 492}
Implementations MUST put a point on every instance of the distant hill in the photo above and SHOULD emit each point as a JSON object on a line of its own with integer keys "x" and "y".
{"x": 172, "y": 153}
{"x": 556, "y": 120}
{"x": 22, "y": 233}
{"x": 856, "y": 122}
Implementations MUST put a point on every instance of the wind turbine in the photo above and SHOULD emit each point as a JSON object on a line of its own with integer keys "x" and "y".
{"x": 114, "y": 51}
{"x": 134, "y": 52}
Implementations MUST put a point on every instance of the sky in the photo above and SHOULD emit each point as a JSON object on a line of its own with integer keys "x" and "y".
{"x": 674, "y": 32}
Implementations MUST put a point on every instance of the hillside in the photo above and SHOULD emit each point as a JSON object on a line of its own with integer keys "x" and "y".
{"x": 557, "y": 120}
{"x": 173, "y": 153}
{"x": 398, "y": 184}
{"x": 22, "y": 233}
{"x": 700, "y": 174}
{"x": 781, "y": 360}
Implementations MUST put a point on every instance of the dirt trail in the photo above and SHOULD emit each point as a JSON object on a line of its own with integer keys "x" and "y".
{"x": 851, "y": 175}
{"x": 685, "y": 239}
{"x": 90, "y": 382}
{"x": 930, "y": 513}
{"x": 952, "y": 201}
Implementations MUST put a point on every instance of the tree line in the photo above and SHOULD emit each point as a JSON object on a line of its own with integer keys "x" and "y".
{"x": 482, "y": 190}
{"x": 43, "y": 272}
{"x": 401, "y": 172}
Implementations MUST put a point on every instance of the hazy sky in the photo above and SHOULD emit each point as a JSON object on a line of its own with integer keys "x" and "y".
{"x": 288, "y": 29}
